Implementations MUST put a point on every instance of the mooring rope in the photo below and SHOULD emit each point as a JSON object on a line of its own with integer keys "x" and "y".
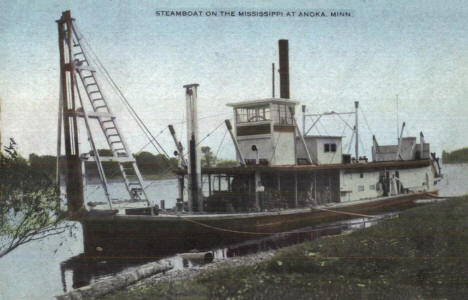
{"x": 270, "y": 233}
{"x": 224, "y": 229}
{"x": 345, "y": 212}
{"x": 430, "y": 194}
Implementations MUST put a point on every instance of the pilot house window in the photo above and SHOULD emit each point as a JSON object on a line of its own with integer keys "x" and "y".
{"x": 284, "y": 115}
{"x": 252, "y": 114}
{"x": 329, "y": 147}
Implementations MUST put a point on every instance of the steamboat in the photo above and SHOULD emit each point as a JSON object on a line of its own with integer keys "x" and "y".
{"x": 285, "y": 178}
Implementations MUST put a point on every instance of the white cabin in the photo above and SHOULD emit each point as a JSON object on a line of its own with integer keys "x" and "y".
{"x": 322, "y": 149}
{"x": 265, "y": 131}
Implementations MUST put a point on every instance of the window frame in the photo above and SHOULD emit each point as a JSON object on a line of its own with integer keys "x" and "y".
{"x": 246, "y": 115}
{"x": 284, "y": 115}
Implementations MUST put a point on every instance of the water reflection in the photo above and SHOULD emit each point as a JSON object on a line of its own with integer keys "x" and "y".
{"x": 85, "y": 271}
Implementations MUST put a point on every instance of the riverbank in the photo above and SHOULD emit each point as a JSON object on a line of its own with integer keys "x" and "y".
{"x": 422, "y": 254}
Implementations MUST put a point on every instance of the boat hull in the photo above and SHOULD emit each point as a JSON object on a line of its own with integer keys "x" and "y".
{"x": 158, "y": 236}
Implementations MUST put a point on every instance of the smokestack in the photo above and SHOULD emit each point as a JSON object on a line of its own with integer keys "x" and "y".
{"x": 284, "y": 68}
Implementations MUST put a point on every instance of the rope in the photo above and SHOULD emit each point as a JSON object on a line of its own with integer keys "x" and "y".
{"x": 350, "y": 142}
{"x": 146, "y": 145}
{"x": 220, "y": 124}
{"x": 434, "y": 195}
{"x": 270, "y": 233}
{"x": 219, "y": 147}
{"x": 324, "y": 128}
{"x": 334, "y": 153}
{"x": 274, "y": 148}
{"x": 362, "y": 145}
{"x": 137, "y": 118}
{"x": 365, "y": 119}
{"x": 345, "y": 212}
{"x": 170, "y": 167}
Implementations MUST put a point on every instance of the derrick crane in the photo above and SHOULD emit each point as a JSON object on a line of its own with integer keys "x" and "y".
{"x": 80, "y": 85}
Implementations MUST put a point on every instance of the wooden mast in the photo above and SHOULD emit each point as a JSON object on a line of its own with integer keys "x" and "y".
{"x": 195, "y": 196}
{"x": 74, "y": 180}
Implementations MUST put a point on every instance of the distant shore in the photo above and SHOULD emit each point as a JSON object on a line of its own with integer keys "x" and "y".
{"x": 459, "y": 156}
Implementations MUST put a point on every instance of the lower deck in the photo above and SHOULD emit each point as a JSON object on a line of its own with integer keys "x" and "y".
{"x": 236, "y": 190}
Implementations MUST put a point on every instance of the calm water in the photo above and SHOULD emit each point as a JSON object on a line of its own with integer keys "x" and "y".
{"x": 42, "y": 269}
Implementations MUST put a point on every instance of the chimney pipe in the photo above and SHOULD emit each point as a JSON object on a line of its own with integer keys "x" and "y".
{"x": 284, "y": 68}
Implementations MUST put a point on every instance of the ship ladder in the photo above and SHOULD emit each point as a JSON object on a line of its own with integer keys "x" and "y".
{"x": 107, "y": 121}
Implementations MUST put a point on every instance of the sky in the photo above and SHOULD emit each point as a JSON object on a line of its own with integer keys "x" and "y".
{"x": 417, "y": 50}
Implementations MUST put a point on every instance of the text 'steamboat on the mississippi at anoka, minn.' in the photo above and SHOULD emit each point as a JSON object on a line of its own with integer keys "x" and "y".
{"x": 284, "y": 178}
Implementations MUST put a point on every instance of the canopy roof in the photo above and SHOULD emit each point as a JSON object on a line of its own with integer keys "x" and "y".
{"x": 353, "y": 167}
{"x": 257, "y": 102}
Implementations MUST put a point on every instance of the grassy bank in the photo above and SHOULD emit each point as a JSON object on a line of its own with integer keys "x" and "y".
{"x": 423, "y": 254}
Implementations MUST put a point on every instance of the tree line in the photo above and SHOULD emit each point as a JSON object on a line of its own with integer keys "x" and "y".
{"x": 456, "y": 156}
{"x": 149, "y": 164}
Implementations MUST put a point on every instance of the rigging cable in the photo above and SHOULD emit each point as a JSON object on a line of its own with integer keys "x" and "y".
{"x": 220, "y": 144}
{"x": 274, "y": 148}
{"x": 170, "y": 167}
{"x": 324, "y": 128}
{"x": 334, "y": 154}
{"x": 141, "y": 149}
{"x": 206, "y": 136}
{"x": 365, "y": 119}
{"x": 134, "y": 114}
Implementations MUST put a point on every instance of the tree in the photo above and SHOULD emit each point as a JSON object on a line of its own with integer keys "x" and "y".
{"x": 208, "y": 158}
{"x": 28, "y": 203}
{"x": 44, "y": 163}
{"x": 154, "y": 164}
{"x": 227, "y": 163}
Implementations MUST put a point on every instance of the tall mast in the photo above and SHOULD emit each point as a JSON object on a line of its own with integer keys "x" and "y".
{"x": 75, "y": 198}
{"x": 273, "y": 80}
{"x": 195, "y": 198}
{"x": 397, "y": 120}
{"x": 356, "y": 129}
{"x": 303, "y": 119}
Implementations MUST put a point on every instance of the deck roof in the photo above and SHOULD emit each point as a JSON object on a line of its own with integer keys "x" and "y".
{"x": 361, "y": 166}
{"x": 257, "y": 102}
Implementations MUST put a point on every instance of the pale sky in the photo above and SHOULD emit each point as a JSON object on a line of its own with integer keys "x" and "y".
{"x": 418, "y": 51}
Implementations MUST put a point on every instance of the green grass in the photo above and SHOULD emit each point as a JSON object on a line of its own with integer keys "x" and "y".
{"x": 423, "y": 254}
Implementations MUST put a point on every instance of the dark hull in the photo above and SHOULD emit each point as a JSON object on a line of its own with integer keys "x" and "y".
{"x": 157, "y": 236}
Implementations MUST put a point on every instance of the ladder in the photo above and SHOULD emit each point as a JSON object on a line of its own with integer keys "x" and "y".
{"x": 101, "y": 112}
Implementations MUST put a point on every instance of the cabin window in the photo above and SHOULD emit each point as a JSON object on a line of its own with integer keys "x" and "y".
{"x": 284, "y": 115}
{"x": 372, "y": 187}
{"x": 222, "y": 183}
{"x": 329, "y": 147}
{"x": 360, "y": 188}
{"x": 252, "y": 114}
{"x": 361, "y": 175}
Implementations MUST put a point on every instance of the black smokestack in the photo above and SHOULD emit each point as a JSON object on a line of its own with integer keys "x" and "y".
{"x": 284, "y": 68}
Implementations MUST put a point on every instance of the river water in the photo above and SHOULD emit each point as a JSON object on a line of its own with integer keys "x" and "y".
{"x": 49, "y": 267}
